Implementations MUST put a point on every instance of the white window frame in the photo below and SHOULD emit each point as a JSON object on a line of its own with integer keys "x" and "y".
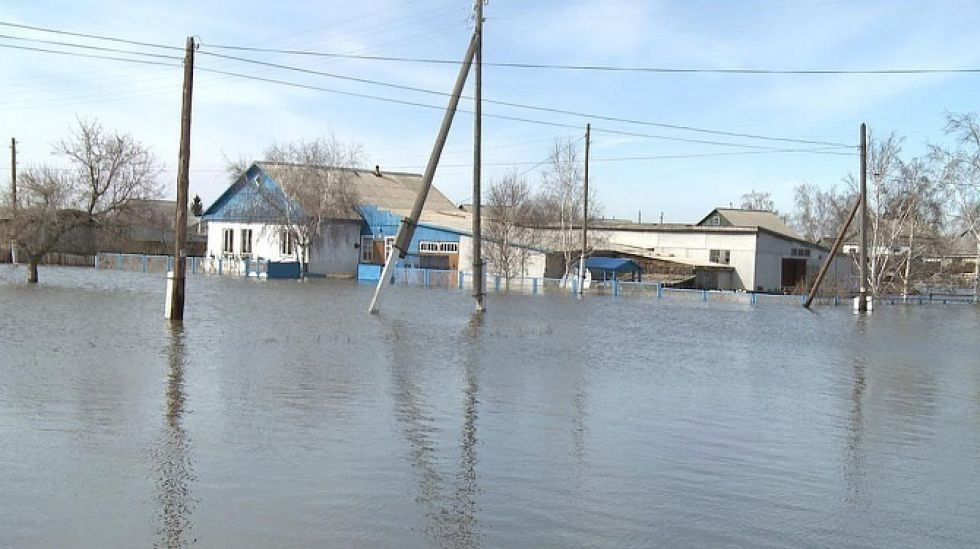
{"x": 800, "y": 252}
{"x": 367, "y": 249}
{"x": 389, "y": 247}
{"x": 246, "y": 243}
{"x": 287, "y": 248}
{"x": 228, "y": 242}
{"x": 438, "y": 247}
{"x": 723, "y": 257}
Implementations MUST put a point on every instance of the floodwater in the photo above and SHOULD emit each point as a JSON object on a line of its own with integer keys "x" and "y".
{"x": 282, "y": 415}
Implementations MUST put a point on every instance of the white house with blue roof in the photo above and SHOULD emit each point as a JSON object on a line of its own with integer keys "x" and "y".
{"x": 350, "y": 247}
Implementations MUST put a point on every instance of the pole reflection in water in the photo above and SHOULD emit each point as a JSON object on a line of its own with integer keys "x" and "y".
{"x": 450, "y": 510}
{"x": 173, "y": 469}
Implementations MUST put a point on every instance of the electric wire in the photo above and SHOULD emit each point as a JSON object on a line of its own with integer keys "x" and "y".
{"x": 605, "y": 68}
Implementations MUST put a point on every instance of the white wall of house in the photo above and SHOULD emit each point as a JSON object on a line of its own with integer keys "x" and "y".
{"x": 741, "y": 248}
{"x": 265, "y": 241}
{"x": 535, "y": 261}
{"x": 332, "y": 255}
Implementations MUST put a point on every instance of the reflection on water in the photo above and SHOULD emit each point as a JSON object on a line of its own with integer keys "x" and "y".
{"x": 450, "y": 505}
{"x": 282, "y": 415}
{"x": 173, "y": 468}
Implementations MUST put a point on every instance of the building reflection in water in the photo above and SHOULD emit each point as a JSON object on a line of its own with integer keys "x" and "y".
{"x": 173, "y": 468}
{"x": 450, "y": 505}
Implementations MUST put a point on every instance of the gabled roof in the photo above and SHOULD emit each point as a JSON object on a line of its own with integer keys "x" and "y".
{"x": 393, "y": 191}
{"x": 752, "y": 218}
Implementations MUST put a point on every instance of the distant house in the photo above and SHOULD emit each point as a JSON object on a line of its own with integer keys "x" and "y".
{"x": 355, "y": 246}
{"x": 727, "y": 249}
{"x": 147, "y": 227}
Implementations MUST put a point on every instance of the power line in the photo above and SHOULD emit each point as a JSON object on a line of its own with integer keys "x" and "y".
{"x": 91, "y": 56}
{"x": 88, "y": 47}
{"x": 535, "y": 164}
{"x": 538, "y": 108}
{"x": 92, "y": 36}
{"x": 605, "y": 68}
{"x": 402, "y": 87}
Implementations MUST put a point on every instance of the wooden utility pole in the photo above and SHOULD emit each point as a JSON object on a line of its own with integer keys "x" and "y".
{"x": 406, "y": 230}
{"x": 863, "y": 254}
{"x": 479, "y": 290}
{"x": 13, "y": 173}
{"x": 13, "y": 192}
{"x": 175, "y": 279}
{"x": 585, "y": 212}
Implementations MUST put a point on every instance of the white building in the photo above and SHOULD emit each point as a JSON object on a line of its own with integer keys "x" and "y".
{"x": 760, "y": 252}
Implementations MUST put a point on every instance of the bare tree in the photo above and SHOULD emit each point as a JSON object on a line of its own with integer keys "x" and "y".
{"x": 560, "y": 202}
{"x": 819, "y": 213}
{"x": 236, "y": 167}
{"x": 885, "y": 222}
{"x": 919, "y": 203}
{"x": 758, "y": 200}
{"x": 315, "y": 187}
{"x": 511, "y": 226}
{"x": 959, "y": 172}
{"x": 106, "y": 172}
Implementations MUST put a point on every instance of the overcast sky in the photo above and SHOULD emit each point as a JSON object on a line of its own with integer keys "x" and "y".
{"x": 238, "y": 117}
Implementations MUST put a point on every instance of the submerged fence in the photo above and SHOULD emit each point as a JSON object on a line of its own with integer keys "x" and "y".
{"x": 451, "y": 279}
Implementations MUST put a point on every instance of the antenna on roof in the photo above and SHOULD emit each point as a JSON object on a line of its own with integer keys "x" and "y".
{"x": 377, "y": 170}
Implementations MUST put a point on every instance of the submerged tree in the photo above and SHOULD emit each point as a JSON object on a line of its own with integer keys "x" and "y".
{"x": 559, "y": 204}
{"x": 315, "y": 187}
{"x": 959, "y": 169}
{"x": 510, "y": 226}
{"x": 107, "y": 172}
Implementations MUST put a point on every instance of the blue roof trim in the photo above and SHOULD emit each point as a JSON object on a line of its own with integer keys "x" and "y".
{"x": 238, "y": 202}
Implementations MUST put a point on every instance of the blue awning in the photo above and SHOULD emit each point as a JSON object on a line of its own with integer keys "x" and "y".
{"x": 612, "y": 264}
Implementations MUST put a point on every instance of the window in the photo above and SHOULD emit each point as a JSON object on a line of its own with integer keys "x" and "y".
{"x": 431, "y": 247}
{"x": 247, "y": 242}
{"x": 714, "y": 220}
{"x": 367, "y": 249}
{"x": 720, "y": 256}
{"x": 286, "y": 244}
{"x": 228, "y": 242}
{"x": 389, "y": 246}
{"x": 800, "y": 252}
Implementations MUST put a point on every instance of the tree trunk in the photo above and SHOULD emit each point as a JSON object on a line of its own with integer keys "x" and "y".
{"x": 908, "y": 266}
{"x": 976, "y": 272}
{"x": 32, "y": 271}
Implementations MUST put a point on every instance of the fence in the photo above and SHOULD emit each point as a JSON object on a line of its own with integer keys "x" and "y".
{"x": 451, "y": 279}
{"x": 195, "y": 265}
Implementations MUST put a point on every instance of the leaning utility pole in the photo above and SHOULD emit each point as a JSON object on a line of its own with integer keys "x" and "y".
{"x": 479, "y": 290}
{"x": 585, "y": 213}
{"x": 833, "y": 254}
{"x": 13, "y": 193}
{"x": 863, "y": 255}
{"x": 175, "y": 278}
{"x": 407, "y": 229}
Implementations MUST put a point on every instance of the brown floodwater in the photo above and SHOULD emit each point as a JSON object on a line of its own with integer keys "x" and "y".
{"x": 282, "y": 415}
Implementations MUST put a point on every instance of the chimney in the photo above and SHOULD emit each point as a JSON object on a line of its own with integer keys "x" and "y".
{"x": 377, "y": 170}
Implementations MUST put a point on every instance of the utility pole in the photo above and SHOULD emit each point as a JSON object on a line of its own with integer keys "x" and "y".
{"x": 13, "y": 193}
{"x": 863, "y": 255}
{"x": 479, "y": 291}
{"x": 406, "y": 230}
{"x": 175, "y": 278}
{"x": 585, "y": 212}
